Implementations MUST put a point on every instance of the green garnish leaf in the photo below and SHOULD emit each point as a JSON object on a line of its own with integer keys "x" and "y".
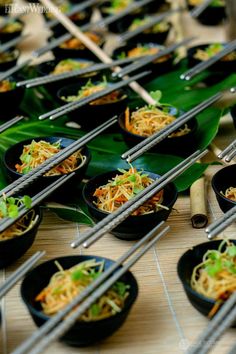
{"x": 214, "y": 268}
{"x": 156, "y": 95}
{"x": 120, "y": 288}
{"x": 12, "y": 211}
{"x": 95, "y": 310}
{"x": 27, "y": 201}
{"x": 231, "y": 250}
{"x": 77, "y": 275}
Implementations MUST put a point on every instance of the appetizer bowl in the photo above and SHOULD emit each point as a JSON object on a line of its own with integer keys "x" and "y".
{"x": 8, "y": 59}
{"x": 10, "y": 97}
{"x": 12, "y": 157}
{"x": 91, "y": 115}
{"x": 13, "y": 248}
{"x": 221, "y": 181}
{"x": 211, "y": 16}
{"x": 11, "y": 30}
{"x": 176, "y": 145}
{"x": 82, "y": 333}
{"x": 134, "y": 227}
{"x": 75, "y": 49}
{"x": 185, "y": 266}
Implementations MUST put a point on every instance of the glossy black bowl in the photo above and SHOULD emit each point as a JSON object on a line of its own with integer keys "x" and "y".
{"x": 221, "y": 65}
{"x": 211, "y": 16}
{"x": 233, "y": 115}
{"x": 222, "y": 180}
{"x": 90, "y": 116}
{"x": 11, "y": 158}
{"x": 11, "y": 61}
{"x": 10, "y": 101}
{"x": 63, "y": 53}
{"x": 7, "y": 36}
{"x": 14, "y": 248}
{"x": 175, "y": 145}
{"x": 159, "y": 67}
{"x": 185, "y": 266}
{"x": 134, "y": 227}
{"x": 82, "y": 333}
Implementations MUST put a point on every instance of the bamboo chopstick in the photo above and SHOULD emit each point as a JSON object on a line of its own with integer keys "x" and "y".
{"x": 76, "y": 313}
{"x": 24, "y": 181}
{"x": 53, "y": 321}
{"x": 75, "y": 31}
{"x": 221, "y": 224}
{"x": 10, "y": 123}
{"x": 115, "y": 218}
{"x": 203, "y": 65}
{"x": 19, "y": 273}
{"x": 198, "y": 10}
{"x": 154, "y": 139}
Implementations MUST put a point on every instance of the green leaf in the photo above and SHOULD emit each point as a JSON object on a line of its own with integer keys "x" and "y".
{"x": 231, "y": 250}
{"x": 27, "y": 201}
{"x": 214, "y": 268}
{"x": 156, "y": 95}
{"x": 12, "y": 211}
{"x": 95, "y": 310}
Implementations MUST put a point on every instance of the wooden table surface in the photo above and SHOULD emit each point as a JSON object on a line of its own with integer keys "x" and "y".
{"x": 162, "y": 320}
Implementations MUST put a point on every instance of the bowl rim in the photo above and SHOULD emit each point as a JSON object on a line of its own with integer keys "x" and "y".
{"x": 213, "y": 184}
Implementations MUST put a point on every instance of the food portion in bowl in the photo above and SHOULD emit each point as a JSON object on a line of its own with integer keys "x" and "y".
{"x": 7, "y": 85}
{"x": 75, "y": 43}
{"x": 66, "y": 284}
{"x": 68, "y": 65}
{"x": 230, "y": 193}
{"x": 214, "y": 3}
{"x": 14, "y": 26}
{"x": 215, "y": 276}
{"x": 157, "y": 28}
{"x": 115, "y": 6}
{"x": 8, "y": 56}
{"x": 143, "y": 49}
{"x": 204, "y": 54}
{"x": 123, "y": 187}
{"x": 37, "y": 152}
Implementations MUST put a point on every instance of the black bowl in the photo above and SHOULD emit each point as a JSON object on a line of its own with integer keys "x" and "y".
{"x": 11, "y": 61}
{"x": 185, "y": 266}
{"x": 11, "y": 100}
{"x": 90, "y": 116}
{"x": 233, "y": 115}
{"x": 63, "y": 53}
{"x": 158, "y": 67}
{"x": 7, "y": 36}
{"x": 14, "y": 248}
{"x": 82, "y": 333}
{"x": 222, "y": 180}
{"x": 134, "y": 227}
{"x": 11, "y": 158}
{"x": 175, "y": 145}
{"x": 221, "y": 65}
{"x": 211, "y": 16}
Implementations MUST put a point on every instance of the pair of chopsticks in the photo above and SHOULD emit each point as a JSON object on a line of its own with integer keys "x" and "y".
{"x": 57, "y": 325}
{"x": 112, "y": 220}
{"x": 19, "y": 273}
{"x": 153, "y": 21}
{"x": 229, "y": 153}
{"x": 25, "y": 180}
{"x": 58, "y": 112}
{"x": 198, "y": 10}
{"x": 154, "y": 139}
{"x": 10, "y": 123}
{"x": 221, "y": 224}
{"x": 223, "y": 319}
{"x": 12, "y": 43}
{"x": 197, "y": 69}
{"x": 150, "y": 58}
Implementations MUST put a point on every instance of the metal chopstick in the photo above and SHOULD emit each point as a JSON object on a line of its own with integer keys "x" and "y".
{"x": 56, "y": 42}
{"x": 221, "y": 224}
{"x": 72, "y": 318}
{"x": 12, "y": 42}
{"x": 39, "y": 197}
{"x": 14, "y": 69}
{"x": 150, "y": 58}
{"x": 19, "y": 273}
{"x": 214, "y": 323}
{"x": 53, "y": 321}
{"x": 44, "y": 80}
{"x": 11, "y": 122}
{"x": 22, "y": 182}
{"x": 153, "y": 21}
{"x": 225, "y": 152}
{"x": 154, "y": 139}
{"x": 203, "y": 65}
{"x": 115, "y": 218}
{"x": 58, "y": 112}
{"x": 231, "y": 156}
{"x": 198, "y": 10}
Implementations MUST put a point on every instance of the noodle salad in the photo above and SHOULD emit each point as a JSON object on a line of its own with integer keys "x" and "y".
{"x": 125, "y": 186}
{"x": 230, "y": 193}
{"x": 37, "y": 152}
{"x": 66, "y": 284}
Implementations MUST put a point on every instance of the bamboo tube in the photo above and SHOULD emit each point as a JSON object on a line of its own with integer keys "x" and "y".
{"x": 199, "y": 217}
{"x": 75, "y": 31}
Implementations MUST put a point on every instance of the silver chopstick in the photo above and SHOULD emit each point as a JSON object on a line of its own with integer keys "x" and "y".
{"x": 10, "y": 123}
{"x": 19, "y": 273}
{"x": 203, "y": 65}
{"x": 153, "y": 21}
{"x": 115, "y": 218}
{"x": 15, "y": 69}
{"x": 22, "y": 182}
{"x": 227, "y": 150}
{"x": 12, "y": 42}
{"x": 154, "y": 139}
{"x": 198, "y": 10}
{"x": 231, "y": 156}
{"x": 58, "y": 112}
{"x": 214, "y": 323}
{"x": 73, "y": 317}
{"x": 53, "y": 321}
{"x": 150, "y": 58}
{"x": 221, "y": 224}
